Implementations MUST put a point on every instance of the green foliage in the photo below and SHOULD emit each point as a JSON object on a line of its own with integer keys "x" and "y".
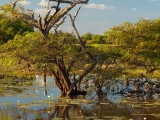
{"x": 34, "y": 50}
{"x": 87, "y": 36}
{"x": 94, "y": 39}
{"x": 98, "y": 39}
{"x": 139, "y": 43}
{"x": 9, "y": 26}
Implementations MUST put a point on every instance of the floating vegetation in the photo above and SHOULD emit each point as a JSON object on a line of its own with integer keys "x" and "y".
{"x": 12, "y": 87}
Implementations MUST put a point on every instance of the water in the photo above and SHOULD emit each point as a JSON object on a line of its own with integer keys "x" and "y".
{"x": 36, "y": 102}
{"x": 31, "y": 93}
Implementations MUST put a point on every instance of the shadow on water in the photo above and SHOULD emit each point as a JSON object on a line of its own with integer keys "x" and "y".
{"x": 33, "y": 101}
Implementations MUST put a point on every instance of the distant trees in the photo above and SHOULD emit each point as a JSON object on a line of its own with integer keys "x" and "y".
{"x": 10, "y": 27}
{"x": 139, "y": 43}
{"x": 94, "y": 39}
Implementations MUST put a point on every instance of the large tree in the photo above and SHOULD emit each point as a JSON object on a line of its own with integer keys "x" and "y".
{"x": 56, "y": 55}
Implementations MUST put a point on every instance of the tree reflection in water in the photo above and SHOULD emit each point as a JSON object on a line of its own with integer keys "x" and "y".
{"x": 129, "y": 105}
{"x": 129, "y": 109}
{"x": 67, "y": 111}
{"x": 12, "y": 112}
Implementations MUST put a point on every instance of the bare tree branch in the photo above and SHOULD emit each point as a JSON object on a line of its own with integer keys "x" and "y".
{"x": 47, "y": 6}
{"x": 76, "y": 13}
{"x": 72, "y": 1}
{"x": 61, "y": 14}
{"x": 60, "y": 23}
{"x": 13, "y": 4}
{"x": 81, "y": 42}
{"x": 40, "y": 21}
{"x": 49, "y": 21}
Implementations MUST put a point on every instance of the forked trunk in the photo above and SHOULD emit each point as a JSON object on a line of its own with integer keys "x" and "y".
{"x": 64, "y": 87}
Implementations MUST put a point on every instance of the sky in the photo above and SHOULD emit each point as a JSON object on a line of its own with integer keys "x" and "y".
{"x": 99, "y": 16}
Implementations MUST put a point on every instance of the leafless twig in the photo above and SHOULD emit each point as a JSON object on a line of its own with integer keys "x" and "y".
{"x": 13, "y": 4}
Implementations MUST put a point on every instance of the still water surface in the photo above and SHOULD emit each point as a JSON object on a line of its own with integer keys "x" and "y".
{"x": 35, "y": 102}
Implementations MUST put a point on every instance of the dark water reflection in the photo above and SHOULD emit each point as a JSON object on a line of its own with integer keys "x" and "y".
{"x": 103, "y": 111}
{"x": 35, "y": 102}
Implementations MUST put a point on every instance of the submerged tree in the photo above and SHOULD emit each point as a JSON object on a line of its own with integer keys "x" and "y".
{"x": 56, "y": 53}
{"x": 107, "y": 69}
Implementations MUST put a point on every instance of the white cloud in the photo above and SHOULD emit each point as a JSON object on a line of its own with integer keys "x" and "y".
{"x": 24, "y": 2}
{"x": 40, "y": 11}
{"x": 134, "y": 9}
{"x": 42, "y": 3}
{"x": 98, "y": 6}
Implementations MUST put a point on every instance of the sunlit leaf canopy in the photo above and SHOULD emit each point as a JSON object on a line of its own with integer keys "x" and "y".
{"x": 140, "y": 43}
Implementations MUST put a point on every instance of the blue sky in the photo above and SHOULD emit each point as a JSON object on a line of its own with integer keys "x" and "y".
{"x": 100, "y": 15}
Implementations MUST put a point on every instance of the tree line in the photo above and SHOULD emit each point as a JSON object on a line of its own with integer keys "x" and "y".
{"x": 130, "y": 50}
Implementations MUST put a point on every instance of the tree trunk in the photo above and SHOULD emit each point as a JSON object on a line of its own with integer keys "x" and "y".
{"x": 63, "y": 93}
{"x": 64, "y": 87}
{"x": 100, "y": 93}
{"x": 44, "y": 76}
